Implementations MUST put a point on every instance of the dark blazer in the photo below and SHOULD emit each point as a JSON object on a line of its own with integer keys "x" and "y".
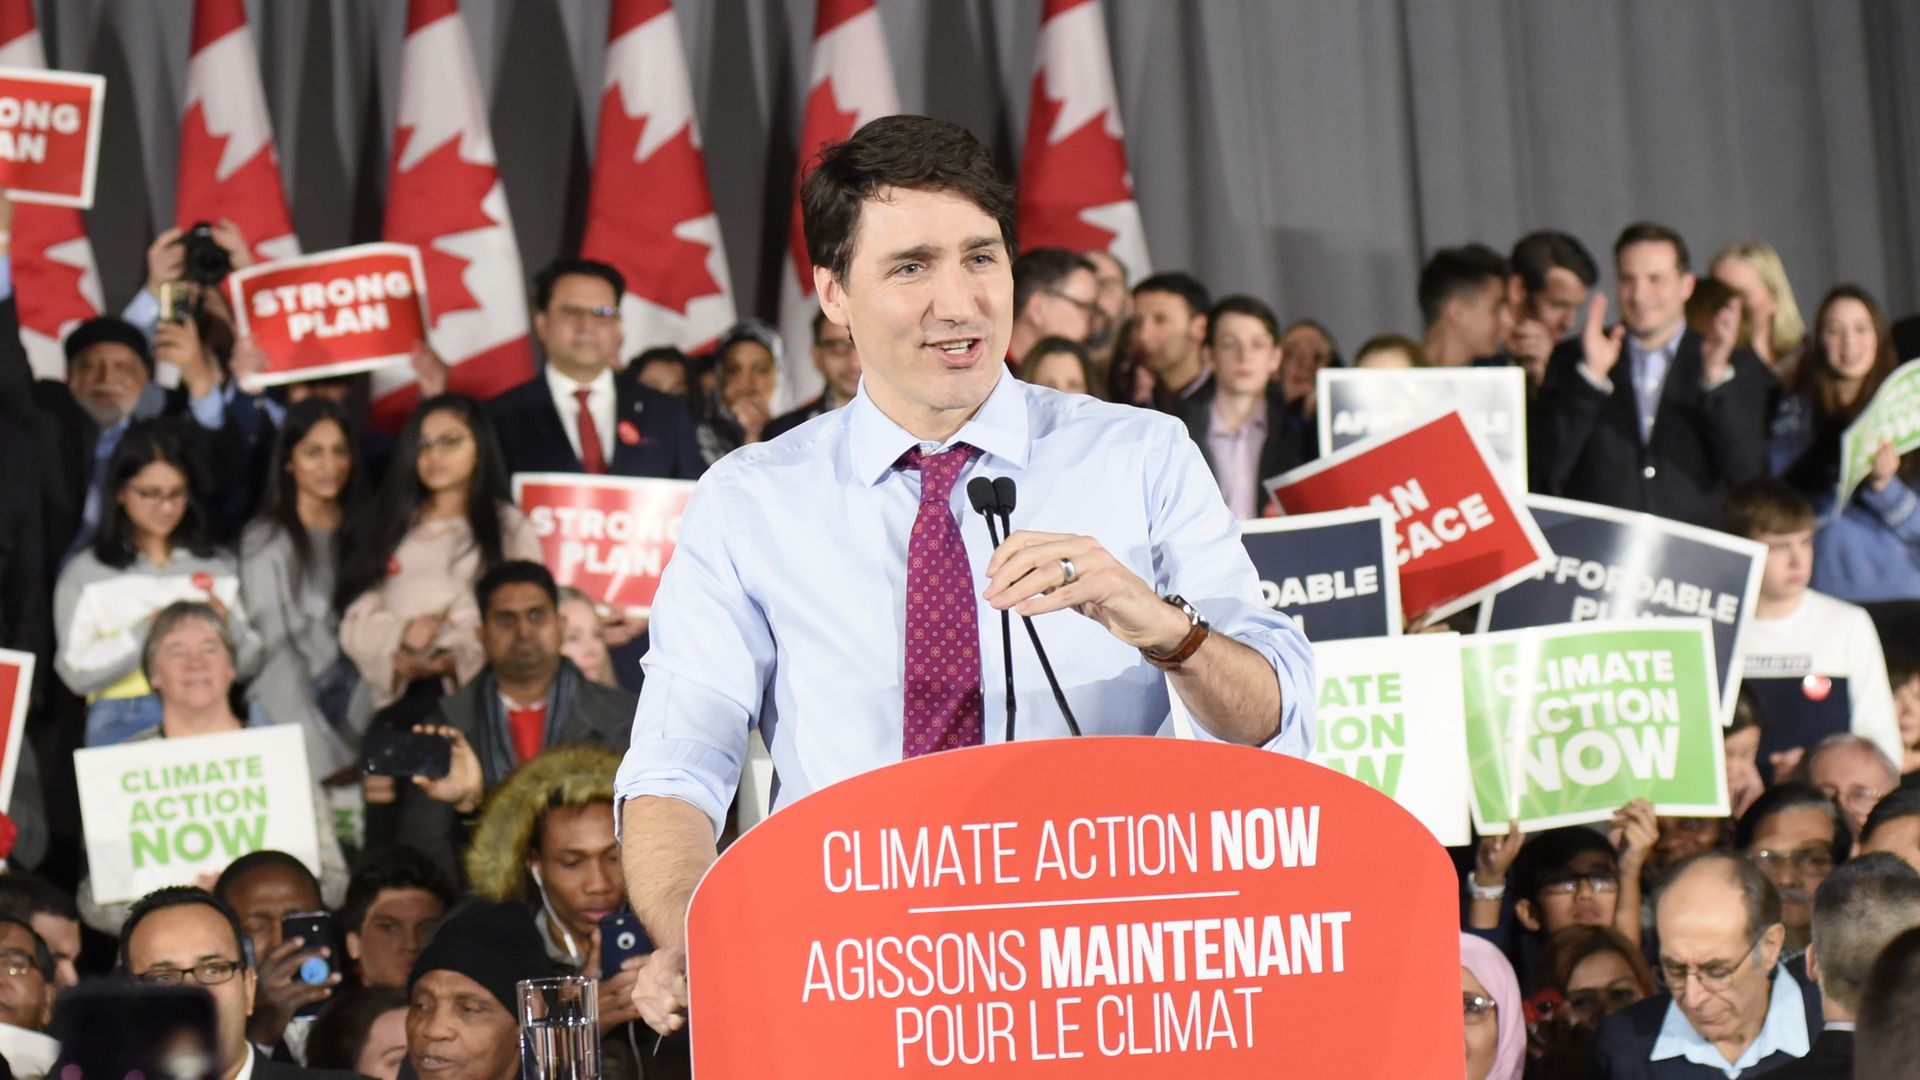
{"x": 533, "y": 439}
{"x": 265, "y": 1068}
{"x": 1831, "y": 1058}
{"x": 1586, "y": 442}
{"x": 1286, "y": 439}
{"x": 1626, "y": 1039}
{"x": 593, "y": 715}
{"x": 787, "y": 421}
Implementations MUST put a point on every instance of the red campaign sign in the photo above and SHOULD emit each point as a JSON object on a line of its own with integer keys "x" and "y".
{"x": 50, "y": 135}
{"x": 1109, "y": 908}
{"x": 16, "y": 687}
{"x": 608, "y": 536}
{"x": 334, "y": 313}
{"x": 1462, "y": 536}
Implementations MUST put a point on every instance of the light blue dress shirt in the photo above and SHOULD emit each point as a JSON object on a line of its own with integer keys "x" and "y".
{"x": 785, "y": 602}
{"x": 1785, "y": 1030}
{"x": 1648, "y": 368}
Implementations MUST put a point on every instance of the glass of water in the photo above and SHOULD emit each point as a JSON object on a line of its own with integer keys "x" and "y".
{"x": 560, "y": 1028}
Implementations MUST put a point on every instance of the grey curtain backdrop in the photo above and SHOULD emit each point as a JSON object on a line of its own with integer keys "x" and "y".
{"x": 1308, "y": 151}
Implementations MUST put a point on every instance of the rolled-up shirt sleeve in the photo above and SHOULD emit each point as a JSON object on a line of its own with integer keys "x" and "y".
{"x": 1199, "y": 556}
{"x": 710, "y": 660}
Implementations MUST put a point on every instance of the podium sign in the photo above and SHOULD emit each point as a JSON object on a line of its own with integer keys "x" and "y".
{"x": 1078, "y": 908}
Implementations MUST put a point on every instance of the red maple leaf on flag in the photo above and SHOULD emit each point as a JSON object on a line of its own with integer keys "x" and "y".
{"x": 825, "y": 124}
{"x": 251, "y": 198}
{"x": 637, "y": 205}
{"x": 439, "y": 196}
{"x": 1059, "y": 180}
{"x": 49, "y": 291}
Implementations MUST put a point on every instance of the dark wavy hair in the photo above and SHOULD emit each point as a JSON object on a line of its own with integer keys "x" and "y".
{"x": 280, "y": 505}
{"x": 1814, "y": 378}
{"x": 143, "y": 444}
{"x": 368, "y": 541}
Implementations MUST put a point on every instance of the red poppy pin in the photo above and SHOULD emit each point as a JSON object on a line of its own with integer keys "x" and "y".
{"x": 1816, "y": 687}
{"x": 393, "y": 566}
{"x": 628, "y": 433}
{"x": 203, "y": 581}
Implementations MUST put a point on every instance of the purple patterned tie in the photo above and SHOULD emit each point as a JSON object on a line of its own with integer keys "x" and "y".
{"x": 942, "y": 693}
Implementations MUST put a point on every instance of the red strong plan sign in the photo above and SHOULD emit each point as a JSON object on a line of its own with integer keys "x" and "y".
{"x": 49, "y": 135}
{"x": 1108, "y": 908}
{"x": 335, "y": 313}
{"x": 608, "y": 536}
{"x": 1462, "y": 535}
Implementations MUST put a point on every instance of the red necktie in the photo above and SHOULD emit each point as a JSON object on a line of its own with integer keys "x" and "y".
{"x": 942, "y": 691}
{"x": 592, "y": 458}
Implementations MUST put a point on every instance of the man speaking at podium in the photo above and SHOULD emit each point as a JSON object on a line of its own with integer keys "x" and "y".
{"x": 833, "y": 586}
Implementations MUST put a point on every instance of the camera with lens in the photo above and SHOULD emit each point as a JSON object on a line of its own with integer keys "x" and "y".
{"x": 207, "y": 263}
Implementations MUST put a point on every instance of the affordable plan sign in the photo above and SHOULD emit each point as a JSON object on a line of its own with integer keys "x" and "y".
{"x": 335, "y": 313}
{"x": 1098, "y": 908}
{"x": 1333, "y": 573}
{"x": 1618, "y": 564}
{"x": 1893, "y": 416}
{"x": 16, "y": 689}
{"x": 1356, "y": 403}
{"x": 165, "y": 811}
{"x": 49, "y": 135}
{"x": 608, "y": 536}
{"x": 1460, "y": 535}
{"x": 1565, "y": 724}
{"x": 1390, "y": 716}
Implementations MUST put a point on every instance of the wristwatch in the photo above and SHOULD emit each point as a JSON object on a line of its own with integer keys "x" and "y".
{"x": 1198, "y": 630}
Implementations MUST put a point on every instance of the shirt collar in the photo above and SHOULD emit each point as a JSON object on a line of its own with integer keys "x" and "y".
{"x": 999, "y": 428}
{"x": 1666, "y": 350}
{"x": 1784, "y": 1031}
{"x": 563, "y": 387}
{"x": 246, "y": 1071}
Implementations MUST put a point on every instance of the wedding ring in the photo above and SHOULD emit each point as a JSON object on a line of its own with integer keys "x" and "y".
{"x": 1066, "y": 572}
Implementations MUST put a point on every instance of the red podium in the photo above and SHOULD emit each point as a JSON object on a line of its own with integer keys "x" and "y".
{"x": 1111, "y": 908}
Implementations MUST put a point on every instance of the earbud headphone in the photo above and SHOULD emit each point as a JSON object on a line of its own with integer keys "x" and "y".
{"x": 540, "y": 885}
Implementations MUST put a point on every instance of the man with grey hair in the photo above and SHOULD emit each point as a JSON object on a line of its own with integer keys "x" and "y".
{"x": 1865, "y": 904}
{"x": 1854, "y": 772}
{"x": 1730, "y": 1008}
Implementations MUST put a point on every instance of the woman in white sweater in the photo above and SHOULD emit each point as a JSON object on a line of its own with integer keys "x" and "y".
{"x": 150, "y": 551}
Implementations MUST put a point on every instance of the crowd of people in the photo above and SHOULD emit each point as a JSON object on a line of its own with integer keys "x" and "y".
{"x": 190, "y": 555}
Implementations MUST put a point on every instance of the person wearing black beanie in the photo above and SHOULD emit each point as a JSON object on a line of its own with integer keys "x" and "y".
{"x": 463, "y": 1022}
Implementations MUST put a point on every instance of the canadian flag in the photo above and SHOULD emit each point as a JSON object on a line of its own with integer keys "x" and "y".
{"x": 227, "y": 163}
{"x": 56, "y": 283}
{"x": 851, "y": 84}
{"x": 1075, "y": 191}
{"x": 648, "y": 210}
{"x": 444, "y": 196}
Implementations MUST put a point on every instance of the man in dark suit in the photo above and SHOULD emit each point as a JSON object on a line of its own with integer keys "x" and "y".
{"x": 1238, "y": 417}
{"x": 528, "y": 698}
{"x": 1641, "y": 417}
{"x": 1862, "y": 906}
{"x": 184, "y": 936}
{"x": 575, "y": 416}
{"x": 1731, "y": 1008}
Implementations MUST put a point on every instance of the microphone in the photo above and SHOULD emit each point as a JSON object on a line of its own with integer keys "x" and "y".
{"x": 1005, "y": 496}
{"x": 980, "y": 492}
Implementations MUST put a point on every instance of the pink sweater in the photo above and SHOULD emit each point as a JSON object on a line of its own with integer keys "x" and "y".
{"x": 432, "y": 573}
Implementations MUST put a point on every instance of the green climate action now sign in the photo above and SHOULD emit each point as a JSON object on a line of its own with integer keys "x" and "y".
{"x": 1567, "y": 723}
{"x": 1892, "y": 416}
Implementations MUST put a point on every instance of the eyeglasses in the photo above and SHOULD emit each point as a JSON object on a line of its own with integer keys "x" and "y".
{"x": 450, "y": 441}
{"x": 1713, "y": 975}
{"x": 1692, "y": 826}
{"x": 1601, "y": 1001}
{"x": 1092, "y": 309}
{"x": 600, "y": 314}
{"x": 1477, "y": 1008}
{"x": 1859, "y": 798}
{"x": 1600, "y": 881}
{"x": 206, "y": 973}
{"x": 18, "y": 964}
{"x": 1812, "y": 860}
{"x": 158, "y": 495}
